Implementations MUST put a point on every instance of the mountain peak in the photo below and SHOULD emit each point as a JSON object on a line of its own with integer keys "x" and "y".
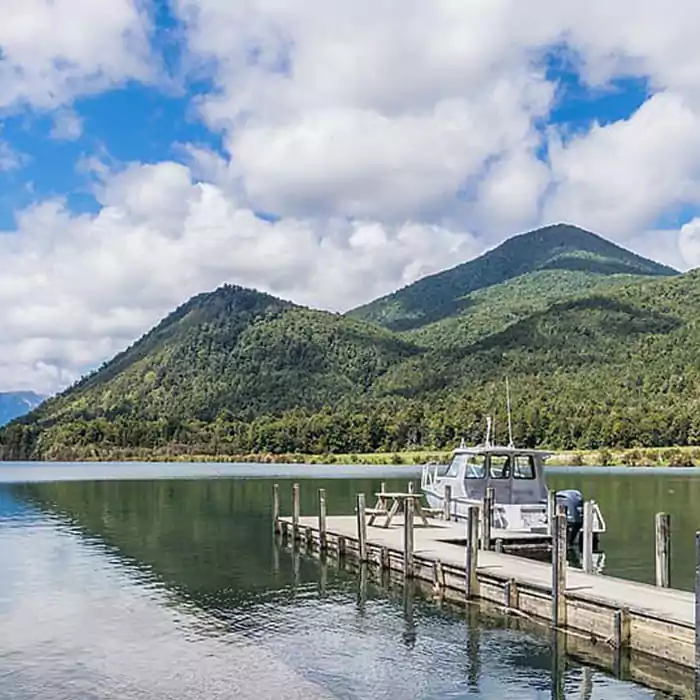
{"x": 561, "y": 246}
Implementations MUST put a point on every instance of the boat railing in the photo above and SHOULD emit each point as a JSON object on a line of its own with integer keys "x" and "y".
{"x": 431, "y": 473}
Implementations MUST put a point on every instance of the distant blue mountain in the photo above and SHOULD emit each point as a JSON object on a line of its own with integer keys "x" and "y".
{"x": 16, "y": 403}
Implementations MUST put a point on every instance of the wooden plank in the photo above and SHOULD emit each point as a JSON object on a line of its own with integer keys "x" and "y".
{"x": 436, "y": 542}
{"x": 551, "y": 510}
{"x": 663, "y": 549}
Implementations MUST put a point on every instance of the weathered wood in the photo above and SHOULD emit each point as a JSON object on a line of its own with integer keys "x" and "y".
{"x": 511, "y": 595}
{"x": 587, "y": 537}
{"x": 660, "y": 622}
{"x": 447, "y": 503}
{"x": 309, "y": 534}
{"x": 499, "y": 545}
{"x": 275, "y": 508}
{"x": 487, "y": 518}
{"x": 411, "y": 487}
{"x": 438, "y": 575}
{"x": 559, "y": 568}
{"x": 342, "y": 547}
{"x": 384, "y": 560}
{"x": 663, "y": 549}
{"x": 361, "y": 527}
{"x": 296, "y": 511}
{"x": 621, "y": 629}
{"x": 472, "y": 537}
{"x": 322, "y": 534}
{"x": 382, "y": 487}
{"x": 551, "y": 510}
{"x": 408, "y": 540}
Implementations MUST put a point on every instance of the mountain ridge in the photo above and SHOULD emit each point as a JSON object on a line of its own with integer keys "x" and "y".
{"x": 601, "y": 346}
{"x": 556, "y": 247}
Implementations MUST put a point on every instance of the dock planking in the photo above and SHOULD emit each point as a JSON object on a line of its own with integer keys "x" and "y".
{"x": 627, "y": 617}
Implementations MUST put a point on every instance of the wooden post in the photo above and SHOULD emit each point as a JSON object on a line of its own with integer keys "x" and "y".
{"x": 296, "y": 510}
{"x": 447, "y": 504}
{"x": 411, "y": 487}
{"x": 384, "y": 561}
{"x": 408, "y": 540}
{"x": 361, "y": 527}
{"x": 559, "y": 568}
{"x": 382, "y": 487}
{"x": 471, "y": 584}
{"x": 275, "y": 508}
{"x": 487, "y": 518}
{"x": 551, "y": 511}
{"x": 322, "y": 519}
{"x": 663, "y": 550}
{"x": 587, "y": 535}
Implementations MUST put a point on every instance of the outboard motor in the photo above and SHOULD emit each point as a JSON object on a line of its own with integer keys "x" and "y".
{"x": 573, "y": 500}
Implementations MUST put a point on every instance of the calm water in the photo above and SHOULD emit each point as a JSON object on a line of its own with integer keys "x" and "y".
{"x": 172, "y": 588}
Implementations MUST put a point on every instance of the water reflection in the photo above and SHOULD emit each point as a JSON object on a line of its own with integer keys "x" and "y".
{"x": 122, "y": 589}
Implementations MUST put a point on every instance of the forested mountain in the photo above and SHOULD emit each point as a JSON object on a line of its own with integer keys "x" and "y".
{"x": 556, "y": 261}
{"x": 17, "y": 403}
{"x": 601, "y": 348}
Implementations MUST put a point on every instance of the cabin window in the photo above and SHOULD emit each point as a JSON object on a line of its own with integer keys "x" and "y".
{"x": 524, "y": 467}
{"x": 457, "y": 462}
{"x": 476, "y": 467}
{"x": 500, "y": 467}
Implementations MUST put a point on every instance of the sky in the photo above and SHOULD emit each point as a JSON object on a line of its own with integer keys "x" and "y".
{"x": 326, "y": 152}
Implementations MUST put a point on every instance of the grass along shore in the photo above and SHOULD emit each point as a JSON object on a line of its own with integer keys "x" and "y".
{"x": 641, "y": 457}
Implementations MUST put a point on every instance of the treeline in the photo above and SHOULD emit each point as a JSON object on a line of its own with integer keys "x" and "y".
{"x": 556, "y": 421}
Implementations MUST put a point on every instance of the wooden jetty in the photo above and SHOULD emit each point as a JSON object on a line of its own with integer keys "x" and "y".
{"x": 648, "y": 633}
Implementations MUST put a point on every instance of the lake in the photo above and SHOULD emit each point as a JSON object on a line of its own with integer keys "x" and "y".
{"x": 163, "y": 581}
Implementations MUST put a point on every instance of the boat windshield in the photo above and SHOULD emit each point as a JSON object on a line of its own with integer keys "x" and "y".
{"x": 475, "y": 466}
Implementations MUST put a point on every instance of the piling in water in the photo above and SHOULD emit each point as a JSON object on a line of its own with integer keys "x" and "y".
{"x": 296, "y": 511}
{"x": 551, "y": 510}
{"x": 587, "y": 537}
{"x": 322, "y": 519}
{"x": 559, "y": 568}
{"x": 361, "y": 527}
{"x": 275, "y": 508}
{"x": 408, "y": 540}
{"x": 472, "y": 536}
{"x": 663, "y": 549}
{"x": 487, "y": 518}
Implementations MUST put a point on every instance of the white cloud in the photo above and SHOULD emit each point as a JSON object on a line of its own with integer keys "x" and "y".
{"x": 50, "y": 52}
{"x": 393, "y": 138}
{"x": 76, "y": 289}
{"x": 427, "y": 111}
{"x": 67, "y": 126}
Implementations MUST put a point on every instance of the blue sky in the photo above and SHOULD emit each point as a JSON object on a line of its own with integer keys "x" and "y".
{"x": 326, "y": 153}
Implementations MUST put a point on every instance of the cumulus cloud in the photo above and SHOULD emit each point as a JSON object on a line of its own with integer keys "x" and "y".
{"x": 392, "y": 139}
{"x": 78, "y": 288}
{"x": 50, "y": 52}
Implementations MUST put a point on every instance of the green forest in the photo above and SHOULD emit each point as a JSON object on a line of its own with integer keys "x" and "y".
{"x": 601, "y": 349}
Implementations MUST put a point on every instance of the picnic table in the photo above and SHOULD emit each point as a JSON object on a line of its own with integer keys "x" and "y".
{"x": 389, "y": 504}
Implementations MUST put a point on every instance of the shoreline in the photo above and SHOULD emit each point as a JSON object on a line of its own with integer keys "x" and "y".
{"x": 633, "y": 457}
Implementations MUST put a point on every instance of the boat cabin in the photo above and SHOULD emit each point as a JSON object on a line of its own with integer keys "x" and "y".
{"x": 516, "y": 475}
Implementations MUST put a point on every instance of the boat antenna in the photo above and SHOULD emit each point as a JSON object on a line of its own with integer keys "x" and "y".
{"x": 488, "y": 431}
{"x": 510, "y": 421}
